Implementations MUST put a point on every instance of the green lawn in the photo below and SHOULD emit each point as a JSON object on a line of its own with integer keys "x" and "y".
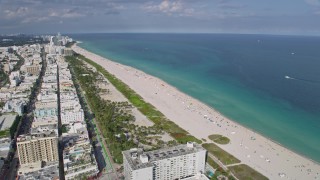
{"x": 243, "y": 171}
{"x": 218, "y": 170}
{"x": 3, "y": 78}
{"x": 5, "y": 133}
{"x": 217, "y": 138}
{"x": 212, "y": 163}
{"x": 64, "y": 128}
{"x": 222, "y": 155}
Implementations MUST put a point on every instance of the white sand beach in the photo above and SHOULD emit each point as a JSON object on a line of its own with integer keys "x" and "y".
{"x": 200, "y": 120}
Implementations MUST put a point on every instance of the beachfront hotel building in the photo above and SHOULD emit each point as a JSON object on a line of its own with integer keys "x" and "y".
{"x": 179, "y": 162}
{"x": 40, "y": 147}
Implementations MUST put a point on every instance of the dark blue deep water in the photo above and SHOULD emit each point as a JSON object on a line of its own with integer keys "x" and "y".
{"x": 242, "y": 76}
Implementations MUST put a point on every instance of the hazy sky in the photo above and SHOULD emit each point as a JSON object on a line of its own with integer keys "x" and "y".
{"x": 212, "y": 16}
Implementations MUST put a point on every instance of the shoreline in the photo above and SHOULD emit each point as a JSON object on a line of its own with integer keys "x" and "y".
{"x": 262, "y": 144}
{"x": 212, "y": 108}
{"x": 268, "y": 138}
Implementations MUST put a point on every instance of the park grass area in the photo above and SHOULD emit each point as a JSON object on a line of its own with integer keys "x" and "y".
{"x": 5, "y": 133}
{"x": 9, "y": 132}
{"x": 64, "y": 128}
{"x": 14, "y": 126}
{"x": 109, "y": 115}
{"x": 212, "y": 163}
{"x": 218, "y": 170}
{"x": 217, "y": 138}
{"x": 3, "y": 78}
{"x": 19, "y": 63}
{"x": 243, "y": 171}
{"x": 222, "y": 155}
{"x": 145, "y": 108}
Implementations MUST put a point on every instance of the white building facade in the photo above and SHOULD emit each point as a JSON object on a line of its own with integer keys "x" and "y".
{"x": 179, "y": 162}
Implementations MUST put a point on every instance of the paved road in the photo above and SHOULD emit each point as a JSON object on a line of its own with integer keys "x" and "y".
{"x": 13, "y": 168}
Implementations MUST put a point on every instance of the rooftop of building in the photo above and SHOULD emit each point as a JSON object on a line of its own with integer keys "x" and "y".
{"x": 45, "y": 91}
{"x": 41, "y": 105}
{"x": 138, "y": 159}
{"x": 29, "y": 137}
{"x": 45, "y": 118}
{"x": 48, "y": 172}
{"x": 71, "y": 105}
{"x": 68, "y": 93}
{"x": 77, "y": 150}
{"x": 43, "y": 128}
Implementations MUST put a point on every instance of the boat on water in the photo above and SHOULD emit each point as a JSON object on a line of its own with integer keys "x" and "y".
{"x": 287, "y": 77}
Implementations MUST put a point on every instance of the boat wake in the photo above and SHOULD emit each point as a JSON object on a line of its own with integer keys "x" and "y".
{"x": 288, "y": 77}
{"x": 298, "y": 79}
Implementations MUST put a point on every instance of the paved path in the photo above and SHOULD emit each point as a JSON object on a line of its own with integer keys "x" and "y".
{"x": 221, "y": 164}
{"x": 235, "y": 164}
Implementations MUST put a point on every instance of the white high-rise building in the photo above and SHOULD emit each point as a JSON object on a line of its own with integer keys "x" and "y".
{"x": 179, "y": 162}
{"x": 14, "y": 78}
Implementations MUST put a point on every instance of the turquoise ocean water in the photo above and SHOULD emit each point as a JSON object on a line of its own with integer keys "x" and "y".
{"x": 270, "y": 84}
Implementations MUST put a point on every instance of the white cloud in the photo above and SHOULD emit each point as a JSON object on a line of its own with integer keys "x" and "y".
{"x": 19, "y": 12}
{"x": 317, "y": 12}
{"x": 233, "y": 15}
{"x": 71, "y": 15}
{"x": 313, "y": 2}
{"x": 189, "y": 12}
{"x": 53, "y": 14}
{"x": 115, "y": 6}
{"x": 34, "y": 20}
{"x": 66, "y": 13}
{"x": 164, "y": 6}
{"x": 169, "y": 7}
{"x": 316, "y": 6}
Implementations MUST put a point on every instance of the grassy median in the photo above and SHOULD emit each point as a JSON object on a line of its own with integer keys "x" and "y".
{"x": 222, "y": 155}
{"x": 217, "y": 138}
{"x": 243, "y": 171}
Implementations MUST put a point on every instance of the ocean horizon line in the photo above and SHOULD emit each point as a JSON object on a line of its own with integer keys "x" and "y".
{"x": 195, "y": 33}
{"x": 165, "y": 33}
